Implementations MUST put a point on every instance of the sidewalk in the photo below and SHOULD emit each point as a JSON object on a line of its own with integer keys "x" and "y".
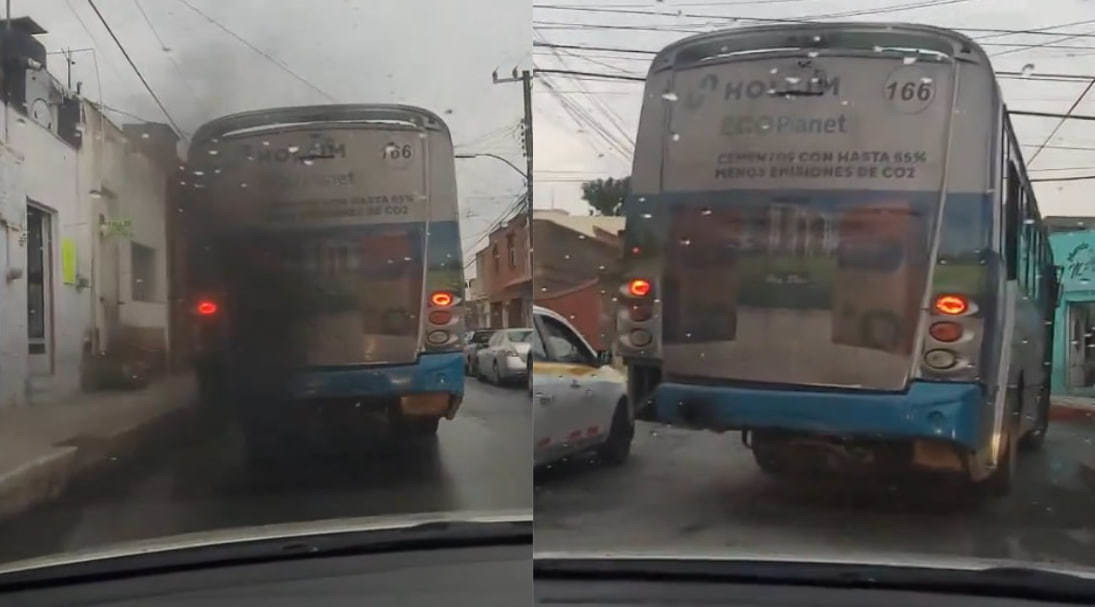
{"x": 43, "y": 446}
{"x": 1072, "y": 407}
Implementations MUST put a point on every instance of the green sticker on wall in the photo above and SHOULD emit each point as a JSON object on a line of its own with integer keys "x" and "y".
{"x": 68, "y": 261}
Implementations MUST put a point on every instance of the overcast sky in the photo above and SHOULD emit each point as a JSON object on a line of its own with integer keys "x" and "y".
{"x": 438, "y": 55}
{"x": 567, "y": 153}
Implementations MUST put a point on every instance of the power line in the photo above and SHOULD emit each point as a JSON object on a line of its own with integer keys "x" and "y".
{"x": 163, "y": 45}
{"x": 593, "y": 48}
{"x": 1061, "y": 122}
{"x": 1066, "y": 116}
{"x": 135, "y": 70}
{"x": 285, "y": 68}
{"x": 1076, "y": 178}
{"x": 167, "y": 51}
{"x": 593, "y": 74}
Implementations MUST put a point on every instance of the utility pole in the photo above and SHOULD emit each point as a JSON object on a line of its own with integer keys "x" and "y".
{"x": 526, "y": 84}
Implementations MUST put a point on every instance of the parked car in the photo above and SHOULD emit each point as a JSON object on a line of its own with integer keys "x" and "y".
{"x": 579, "y": 400}
{"x": 474, "y": 342}
{"x": 505, "y": 355}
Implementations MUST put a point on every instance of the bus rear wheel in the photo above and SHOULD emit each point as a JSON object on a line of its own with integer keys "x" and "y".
{"x": 1034, "y": 439}
{"x": 415, "y": 426}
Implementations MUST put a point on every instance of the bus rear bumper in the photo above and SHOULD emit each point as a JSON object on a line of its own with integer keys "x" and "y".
{"x": 417, "y": 385}
{"x": 926, "y": 410}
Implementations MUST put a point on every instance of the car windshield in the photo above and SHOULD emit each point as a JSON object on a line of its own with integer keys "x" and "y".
{"x": 838, "y": 258}
{"x": 523, "y": 335}
{"x": 244, "y": 251}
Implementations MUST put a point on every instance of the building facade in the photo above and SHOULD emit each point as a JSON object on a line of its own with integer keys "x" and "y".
{"x": 83, "y": 207}
{"x": 1073, "y": 242}
{"x": 504, "y": 277}
{"x": 577, "y": 270}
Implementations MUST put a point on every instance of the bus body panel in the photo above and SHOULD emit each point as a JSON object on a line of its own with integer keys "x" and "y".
{"x": 806, "y": 301}
{"x": 927, "y": 410}
{"x": 321, "y": 233}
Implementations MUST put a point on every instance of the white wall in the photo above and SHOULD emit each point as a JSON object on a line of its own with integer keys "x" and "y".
{"x": 13, "y": 298}
{"x": 35, "y": 164}
{"x": 49, "y": 178}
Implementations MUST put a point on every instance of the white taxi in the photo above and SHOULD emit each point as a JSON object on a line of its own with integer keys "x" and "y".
{"x": 579, "y": 402}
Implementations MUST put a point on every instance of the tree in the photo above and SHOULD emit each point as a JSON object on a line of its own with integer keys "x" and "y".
{"x": 606, "y": 196}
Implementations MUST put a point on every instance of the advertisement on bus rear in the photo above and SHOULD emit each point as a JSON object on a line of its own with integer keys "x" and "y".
{"x": 310, "y": 179}
{"x": 836, "y": 123}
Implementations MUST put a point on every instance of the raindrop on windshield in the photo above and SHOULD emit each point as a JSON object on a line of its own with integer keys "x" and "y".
{"x": 676, "y": 136}
{"x": 774, "y": 70}
{"x": 581, "y": 237}
{"x": 308, "y": 162}
{"x": 670, "y": 96}
{"x": 566, "y": 256}
{"x": 878, "y": 49}
{"x": 216, "y": 171}
{"x": 705, "y": 212}
{"x": 213, "y": 152}
{"x": 199, "y": 173}
{"x": 908, "y": 60}
{"x": 844, "y": 102}
{"x": 926, "y": 80}
{"x": 1027, "y": 70}
{"x": 266, "y": 143}
{"x": 686, "y": 242}
{"x": 792, "y": 79}
{"x": 817, "y": 38}
{"x": 601, "y": 267}
{"x": 646, "y": 215}
{"x": 145, "y": 135}
{"x": 243, "y": 184}
{"x": 1028, "y": 221}
{"x": 294, "y": 149}
{"x": 812, "y": 54}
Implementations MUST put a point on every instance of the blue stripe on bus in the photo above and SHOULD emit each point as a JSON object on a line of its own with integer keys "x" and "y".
{"x": 432, "y": 373}
{"x": 931, "y": 410}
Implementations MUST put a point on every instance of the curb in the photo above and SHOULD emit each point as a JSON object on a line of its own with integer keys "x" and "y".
{"x": 35, "y": 481}
{"x": 45, "y": 478}
{"x": 1081, "y": 413}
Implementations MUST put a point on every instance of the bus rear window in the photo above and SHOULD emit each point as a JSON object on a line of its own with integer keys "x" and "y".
{"x": 967, "y": 221}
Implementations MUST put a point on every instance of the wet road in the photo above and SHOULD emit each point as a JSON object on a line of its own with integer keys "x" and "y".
{"x": 196, "y": 477}
{"x": 687, "y": 490}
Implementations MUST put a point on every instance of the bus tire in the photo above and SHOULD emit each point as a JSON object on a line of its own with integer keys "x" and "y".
{"x": 617, "y": 447}
{"x": 1002, "y": 479}
{"x": 766, "y": 455}
{"x": 417, "y": 427}
{"x": 1034, "y": 439}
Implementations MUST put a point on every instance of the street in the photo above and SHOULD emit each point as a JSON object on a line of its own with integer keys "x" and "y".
{"x": 695, "y": 491}
{"x": 195, "y": 477}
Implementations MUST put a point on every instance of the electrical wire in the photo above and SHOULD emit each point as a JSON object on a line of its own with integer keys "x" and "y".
{"x": 280, "y": 64}
{"x": 1062, "y": 120}
{"x": 137, "y": 71}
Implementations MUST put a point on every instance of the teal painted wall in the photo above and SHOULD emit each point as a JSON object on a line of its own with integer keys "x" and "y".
{"x": 1075, "y": 253}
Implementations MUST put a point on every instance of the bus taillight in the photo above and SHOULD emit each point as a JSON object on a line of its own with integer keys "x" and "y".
{"x": 639, "y": 287}
{"x": 440, "y": 317}
{"x": 206, "y": 307}
{"x": 946, "y": 331}
{"x": 952, "y": 305}
{"x": 441, "y": 299}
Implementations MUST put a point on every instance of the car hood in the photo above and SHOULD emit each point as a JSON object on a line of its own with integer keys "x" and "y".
{"x": 844, "y": 557}
{"x": 284, "y": 531}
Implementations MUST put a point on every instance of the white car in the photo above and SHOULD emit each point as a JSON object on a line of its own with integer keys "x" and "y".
{"x": 578, "y": 402}
{"x": 505, "y": 356}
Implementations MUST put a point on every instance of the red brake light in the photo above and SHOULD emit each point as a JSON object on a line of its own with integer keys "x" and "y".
{"x": 946, "y": 331}
{"x": 952, "y": 305}
{"x": 441, "y": 299}
{"x": 639, "y": 287}
{"x": 440, "y": 317}
{"x": 207, "y": 308}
